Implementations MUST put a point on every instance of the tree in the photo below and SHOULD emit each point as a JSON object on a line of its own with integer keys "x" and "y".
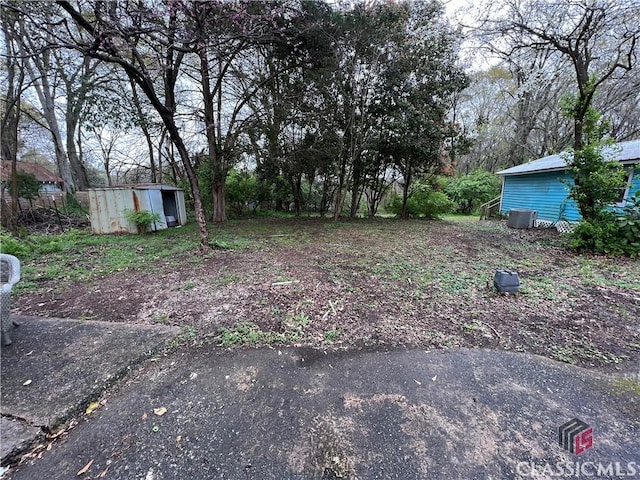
{"x": 59, "y": 77}
{"x": 231, "y": 38}
{"x": 529, "y": 41}
{"x": 11, "y": 103}
{"x": 472, "y": 190}
{"x": 596, "y": 180}
{"x": 598, "y": 37}
{"x": 285, "y": 129}
{"x": 28, "y": 186}
{"x": 148, "y": 44}
{"x": 419, "y": 81}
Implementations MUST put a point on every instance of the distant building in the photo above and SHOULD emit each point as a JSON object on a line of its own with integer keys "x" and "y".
{"x": 49, "y": 181}
{"x": 541, "y": 185}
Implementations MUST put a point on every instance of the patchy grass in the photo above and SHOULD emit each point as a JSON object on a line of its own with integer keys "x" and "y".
{"x": 349, "y": 283}
{"x": 77, "y": 255}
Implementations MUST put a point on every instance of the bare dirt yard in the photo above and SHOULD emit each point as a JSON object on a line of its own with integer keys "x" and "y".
{"x": 380, "y": 282}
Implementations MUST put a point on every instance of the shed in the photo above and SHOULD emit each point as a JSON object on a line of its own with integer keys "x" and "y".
{"x": 541, "y": 185}
{"x": 107, "y": 207}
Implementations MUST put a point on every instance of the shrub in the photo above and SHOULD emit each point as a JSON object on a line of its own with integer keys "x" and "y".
{"x": 241, "y": 190}
{"x": 628, "y": 222}
{"x": 599, "y": 235}
{"x": 424, "y": 202}
{"x": 470, "y": 191}
{"x": 142, "y": 218}
{"x": 436, "y": 204}
{"x": 611, "y": 233}
{"x": 73, "y": 205}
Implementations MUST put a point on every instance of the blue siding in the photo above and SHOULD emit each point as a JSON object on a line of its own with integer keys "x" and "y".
{"x": 635, "y": 183}
{"x": 547, "y": 194}
{"x": 543, "y": 192}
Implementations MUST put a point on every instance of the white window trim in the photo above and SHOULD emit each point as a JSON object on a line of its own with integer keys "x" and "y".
{"x": 625, "y": 197}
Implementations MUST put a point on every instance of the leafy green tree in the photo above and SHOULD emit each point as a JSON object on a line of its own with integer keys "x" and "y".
{"x": 420, "y": 79}
{"x": 470, "y": 191}
{"x": 425, "y": 202}
{"x": 28, "y": 186}
{"x": 596, "y": 180}
{"x": 241, "y": 191}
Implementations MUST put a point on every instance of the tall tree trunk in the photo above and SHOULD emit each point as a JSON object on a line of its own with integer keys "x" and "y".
{"x": 356, "y": 185}
{"x": 11, "y": 114}
{"x": 76, "y": 99}
{"x": 219, "y": 203}
{"x": 43, "y": 91}
{"x": 341, "y": 190}
{"x": 193, "y": 181}
{"x": 405, "y": 191}
{"x": 218, "y": 175}
{"x": 78, "y": 169}
{"x": 326, "y": 194}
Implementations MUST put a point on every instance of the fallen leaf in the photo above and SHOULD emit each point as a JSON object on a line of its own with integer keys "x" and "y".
{"x": 160, "y": 411}
{"x": 28, "y": 382}
{"x": 85, "y": 469}
{"x": 144, "y": 416}
{"x": 92, "y": 406}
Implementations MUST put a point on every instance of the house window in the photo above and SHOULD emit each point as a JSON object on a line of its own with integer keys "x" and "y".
{"x": 624, "y": 191}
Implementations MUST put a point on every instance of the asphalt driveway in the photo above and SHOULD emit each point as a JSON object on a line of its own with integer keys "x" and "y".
{"x": 302, "y": 413}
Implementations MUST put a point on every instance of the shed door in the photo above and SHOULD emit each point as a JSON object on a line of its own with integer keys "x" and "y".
{"x": 155, "y": 206}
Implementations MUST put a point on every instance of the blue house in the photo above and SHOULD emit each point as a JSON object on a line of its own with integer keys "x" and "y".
{"x": 540, "y": 185}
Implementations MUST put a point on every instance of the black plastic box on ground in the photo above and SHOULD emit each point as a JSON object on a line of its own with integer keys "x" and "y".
{"x": 506, "y": 281}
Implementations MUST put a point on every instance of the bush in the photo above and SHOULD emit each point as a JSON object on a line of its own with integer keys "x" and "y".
{"x": 241, "y": 190}
{"x": 425, "y": 203}
{"x": 73, "y": 205}
{"x": 628, "y": 223}
{"x": 599, "y": 235}
{"x": 470, "y": 191}
{"x": 436, "y": 204}
{"x": 611, "y": 233}
{"x": 142, "y": 218}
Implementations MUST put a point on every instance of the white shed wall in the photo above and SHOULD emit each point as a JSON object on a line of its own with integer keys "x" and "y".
{"x": 107, "y": 207}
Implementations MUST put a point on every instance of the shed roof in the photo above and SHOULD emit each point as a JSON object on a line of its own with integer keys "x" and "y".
{"x": 624, "y": 152}
{"x": 140, "y": 186}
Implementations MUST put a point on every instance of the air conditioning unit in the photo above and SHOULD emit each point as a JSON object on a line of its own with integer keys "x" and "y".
{"x": 521, "y": 218}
